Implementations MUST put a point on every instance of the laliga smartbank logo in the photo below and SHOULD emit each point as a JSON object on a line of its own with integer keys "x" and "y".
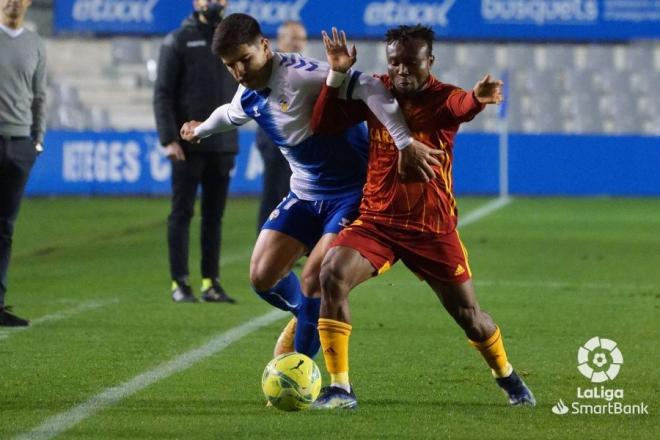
{"x": 599, "y": 360}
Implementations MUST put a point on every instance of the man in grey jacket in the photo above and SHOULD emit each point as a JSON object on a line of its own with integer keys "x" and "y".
{"x": 22, "y": 124}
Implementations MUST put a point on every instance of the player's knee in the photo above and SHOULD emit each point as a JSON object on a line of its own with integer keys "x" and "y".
{"x": 261, "y": 278}
{"x": 310, "y": 284}
{"x": 334, "y": 287}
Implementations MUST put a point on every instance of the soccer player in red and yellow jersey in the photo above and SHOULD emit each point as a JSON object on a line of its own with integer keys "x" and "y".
{"x": 404, "y": 215}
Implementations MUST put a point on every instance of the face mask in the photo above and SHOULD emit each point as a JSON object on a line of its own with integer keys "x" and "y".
{"x": 213, "y": 13}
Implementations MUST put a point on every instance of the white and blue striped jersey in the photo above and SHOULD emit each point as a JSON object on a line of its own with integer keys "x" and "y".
{"x": 323, "y": 167}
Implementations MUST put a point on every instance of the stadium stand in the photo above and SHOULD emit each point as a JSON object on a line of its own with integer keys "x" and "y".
{"x": 106, "y": 83}
{"x": 562, "y": 88}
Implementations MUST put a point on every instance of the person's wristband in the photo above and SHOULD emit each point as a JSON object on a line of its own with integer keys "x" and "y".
{"x": 335, "y": 79}
{"x": 402, "y": 145}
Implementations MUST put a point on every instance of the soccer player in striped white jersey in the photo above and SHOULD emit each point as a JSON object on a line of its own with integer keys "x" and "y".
{"x": 278, "y": 91}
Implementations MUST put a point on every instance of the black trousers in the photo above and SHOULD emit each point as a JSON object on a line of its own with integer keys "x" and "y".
{"x": 277, "y": 175}
{"x": 17, "y": 155}
{"x": 211, "y": 172}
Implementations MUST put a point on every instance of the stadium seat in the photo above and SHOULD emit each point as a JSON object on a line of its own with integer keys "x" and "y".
{"x": 598, "y": 57}
{"x": 127, "y": 51}
{"x": 559, "y": 56}
{"x": 476, "y": 56}
{"x": 520, "y": 57}
{"x": 100, "y": 119}
{"x": 445, "y": 55}
{"x": 639, "y": 57}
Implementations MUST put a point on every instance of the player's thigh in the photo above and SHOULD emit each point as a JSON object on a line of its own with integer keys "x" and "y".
{"x": 297, "y": 219}
{"x": 273, "y": 257}
{"x": 360, "y": 251}
{"x": 339, "y": 213}
{"x": 439, "y": 259}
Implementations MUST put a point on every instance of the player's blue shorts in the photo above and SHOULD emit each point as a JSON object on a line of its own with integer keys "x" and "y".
{"x": 307, "y": 221}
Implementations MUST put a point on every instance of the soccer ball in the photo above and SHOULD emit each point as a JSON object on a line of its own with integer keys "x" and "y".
{"x": 291, "y": 382}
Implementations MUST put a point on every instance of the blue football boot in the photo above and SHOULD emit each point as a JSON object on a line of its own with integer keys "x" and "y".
{"x": 516, "y": 390}
{"x": 335, "y": 398}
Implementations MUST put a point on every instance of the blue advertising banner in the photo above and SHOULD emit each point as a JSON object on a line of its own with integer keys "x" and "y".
{"x": 590, "y": 20}
{"x": 133, "y": 163}
{"x": 120, "y": 16}
{"x": 123, "y": 163}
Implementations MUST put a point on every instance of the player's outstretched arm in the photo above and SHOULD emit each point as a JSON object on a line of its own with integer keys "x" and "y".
{"x": 464, "y": 106}
{"x": 224, "y": 118}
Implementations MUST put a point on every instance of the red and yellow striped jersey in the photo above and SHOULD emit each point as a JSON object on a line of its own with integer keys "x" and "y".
{"x": 433, "y": 116}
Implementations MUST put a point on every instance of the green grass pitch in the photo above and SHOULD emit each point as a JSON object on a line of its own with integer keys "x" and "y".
{"x": 552, "y": 272}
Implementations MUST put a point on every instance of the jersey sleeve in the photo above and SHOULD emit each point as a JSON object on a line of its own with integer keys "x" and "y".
{"x": 461, "y": 106}
{"x": 304, "y": 74}
{"x": 380, "y": 101}
{"x": 309, "y": 75}
{"x": 332, "y": 115}
{"x": 224, "y": 118}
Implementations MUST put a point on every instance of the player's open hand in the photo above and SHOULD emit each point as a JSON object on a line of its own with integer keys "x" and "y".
{"x": 416, "y": 161}
{"x": 339, "y": 57}
{"x": 188, "y": 132}
{"x": 489, "y": 91}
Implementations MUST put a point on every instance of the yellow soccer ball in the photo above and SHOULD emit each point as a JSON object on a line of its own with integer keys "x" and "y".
{"x": 291, "y": 382}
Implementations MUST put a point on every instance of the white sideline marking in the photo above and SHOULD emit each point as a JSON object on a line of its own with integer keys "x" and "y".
{"x": 64, "y": 421}
{"x": 58, "y": 316}
{"x": 483, "y": 211}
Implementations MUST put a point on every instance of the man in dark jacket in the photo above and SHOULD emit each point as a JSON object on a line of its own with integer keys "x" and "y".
{"x": 191, "y": 83}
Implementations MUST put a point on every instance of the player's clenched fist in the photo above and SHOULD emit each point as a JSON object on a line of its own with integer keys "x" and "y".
{"x": 489, "y": 91}
{"x": 188, "y": 132}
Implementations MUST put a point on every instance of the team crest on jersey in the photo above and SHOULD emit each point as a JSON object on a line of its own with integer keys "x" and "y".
{"x": 284, "y": 103}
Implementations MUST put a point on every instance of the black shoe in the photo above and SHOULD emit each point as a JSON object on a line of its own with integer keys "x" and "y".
{"x": 216, "y": 293}
{"x": 182, "y": 292}
{"x": 10, "y": 320}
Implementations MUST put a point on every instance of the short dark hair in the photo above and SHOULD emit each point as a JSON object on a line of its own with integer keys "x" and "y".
{"x": 406, "y": 33}
{"x": 234, "y": 30}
